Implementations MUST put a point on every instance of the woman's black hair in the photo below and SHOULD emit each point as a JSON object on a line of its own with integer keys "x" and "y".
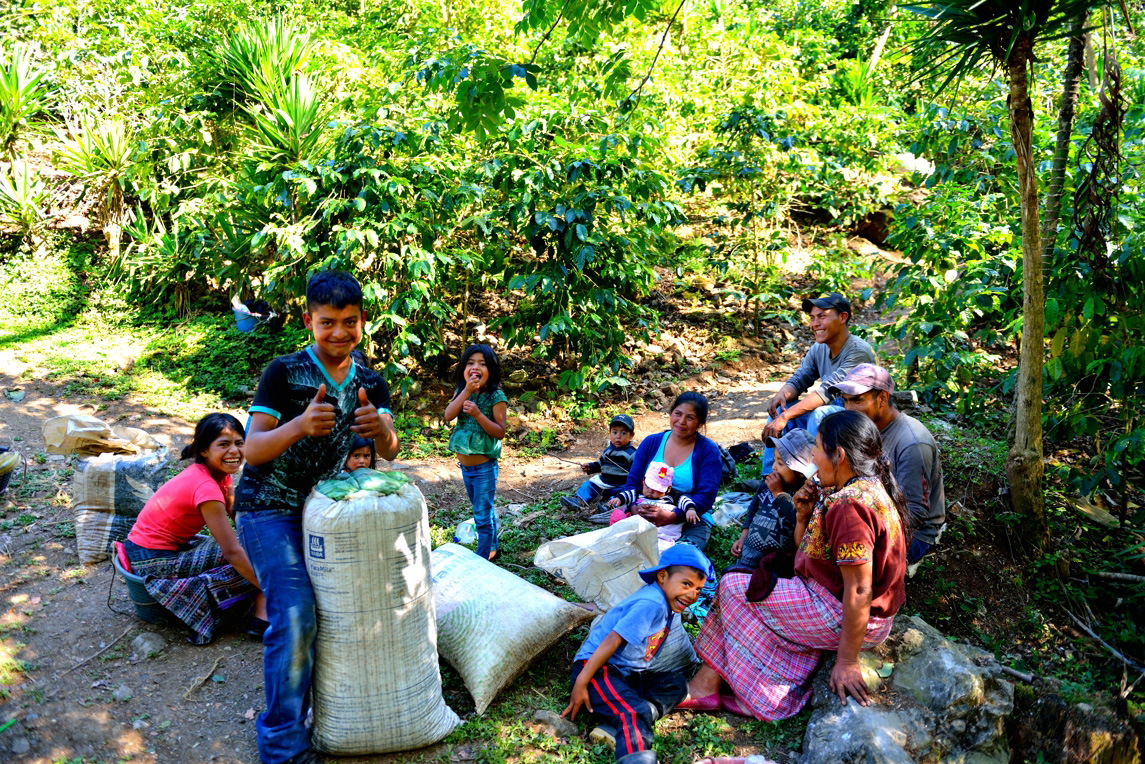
{"x": 207, "y": 431}
{"x": 860, "y": 441}
{"x": 360, "y": 442}
{"x": 492, "y": 363}
{"x": 697, "y": 401}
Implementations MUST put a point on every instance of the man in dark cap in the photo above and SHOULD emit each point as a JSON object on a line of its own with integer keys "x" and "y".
{"x": 909, "y": 446}
{"x": 836, "y": 351}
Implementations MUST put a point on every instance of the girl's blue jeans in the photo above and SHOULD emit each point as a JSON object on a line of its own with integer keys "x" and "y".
{"x": 273, "y": 541}
{"x": 481, "y": 485}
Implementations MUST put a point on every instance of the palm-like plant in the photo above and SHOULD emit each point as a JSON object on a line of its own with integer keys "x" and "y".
{"x": 258, "y": 56}
{"x": 964, "y": 35}
{"x": 23, "y": 199}
{"x": 289, "y": 125}
{"x": 24, "y": 91}
{"x": 102, "y": 155}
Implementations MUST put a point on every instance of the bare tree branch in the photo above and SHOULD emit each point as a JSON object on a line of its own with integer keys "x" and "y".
{"x": 1092, "y": 635}
{"x": 546, "y": 37}
{"x": 636, "y": 92}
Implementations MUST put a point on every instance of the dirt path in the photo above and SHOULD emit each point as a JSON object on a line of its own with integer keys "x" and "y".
{"x": 75, "y": 655}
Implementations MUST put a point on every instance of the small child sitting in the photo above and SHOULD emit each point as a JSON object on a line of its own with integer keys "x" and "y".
{"x": 656, "y": 492}
{"x": 769, "y": 525}
{"x": 610, "y": 472}
{"x": 362, "y": 454}
{"x": 610, "y": 674}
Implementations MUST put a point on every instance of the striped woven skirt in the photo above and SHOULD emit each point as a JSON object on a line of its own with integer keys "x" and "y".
{"x": 767, "y": 651}
{"x": 198, "y": 586}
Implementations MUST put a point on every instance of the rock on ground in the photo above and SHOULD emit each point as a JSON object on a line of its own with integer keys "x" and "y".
{"x": 555, "y": 724}
{"x": 945, "y": 703}
{"x": 147, "y": 644}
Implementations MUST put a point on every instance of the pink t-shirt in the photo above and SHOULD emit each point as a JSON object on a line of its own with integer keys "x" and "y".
{"x": 171, "y": 516}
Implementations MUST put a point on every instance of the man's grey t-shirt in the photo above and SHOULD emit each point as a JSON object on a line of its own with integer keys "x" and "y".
{"x": 918, "y": 470}
{"x": 819, "y": 365}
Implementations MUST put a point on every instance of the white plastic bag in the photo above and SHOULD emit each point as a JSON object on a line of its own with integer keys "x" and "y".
{"x": 88, "y": 436}
{"x": 377, "y": 684}
{"x": 492, "y": 624}
{"x": 602, "y": 566}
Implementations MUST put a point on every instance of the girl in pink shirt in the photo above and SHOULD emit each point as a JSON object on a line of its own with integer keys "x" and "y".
{"x": 201, "y": 580}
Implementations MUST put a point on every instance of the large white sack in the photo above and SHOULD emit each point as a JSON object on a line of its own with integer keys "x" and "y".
{"x": 377, "y": 684}
{"x": 492, "y": 624}
{"x": 110, "y": 490}
{"x": 602, "y": 565}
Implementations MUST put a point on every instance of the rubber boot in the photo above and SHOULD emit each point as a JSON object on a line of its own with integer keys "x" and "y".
{"x": 640, "y": 757}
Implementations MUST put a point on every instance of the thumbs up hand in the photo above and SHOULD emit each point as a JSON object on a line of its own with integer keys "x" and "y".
{"x": 367, "y": 421}
{"x": 318, "y": 419}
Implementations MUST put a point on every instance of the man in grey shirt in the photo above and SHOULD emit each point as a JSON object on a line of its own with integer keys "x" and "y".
{"x": 909, "y": 446}
{"x": 836, "y": 351}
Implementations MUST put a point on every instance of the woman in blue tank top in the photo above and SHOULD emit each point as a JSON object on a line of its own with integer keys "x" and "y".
{"x": 696, "y": 464}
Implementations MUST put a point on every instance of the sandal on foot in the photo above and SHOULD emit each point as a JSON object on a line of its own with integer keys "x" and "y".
{"x": 706, "y": 703}
{"x": 733, "y": 705}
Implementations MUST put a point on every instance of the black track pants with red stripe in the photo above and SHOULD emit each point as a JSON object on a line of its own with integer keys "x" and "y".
{"x": 632, "y": 701}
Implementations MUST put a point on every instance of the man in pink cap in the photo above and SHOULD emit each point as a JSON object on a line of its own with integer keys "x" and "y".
{"x": 909, "y": 446}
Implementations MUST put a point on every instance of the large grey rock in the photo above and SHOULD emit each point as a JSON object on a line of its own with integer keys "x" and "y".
{"x": 944, "y": 703}
{"x": 963, "y": 685}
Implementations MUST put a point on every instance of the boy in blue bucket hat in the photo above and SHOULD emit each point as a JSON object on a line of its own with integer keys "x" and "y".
{"x": 610, "y": 675}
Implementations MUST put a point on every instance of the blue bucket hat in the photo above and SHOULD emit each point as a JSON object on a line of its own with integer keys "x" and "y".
{"x": 680, "y": 554}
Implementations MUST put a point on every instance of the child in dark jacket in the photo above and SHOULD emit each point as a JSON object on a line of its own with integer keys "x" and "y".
{"x": 610, "y": 675}
{"x": 769, "y": 525}
{"x": 610, "y": 472}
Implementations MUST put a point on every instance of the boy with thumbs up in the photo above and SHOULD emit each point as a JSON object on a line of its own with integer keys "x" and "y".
{"x": 308, "y": 407}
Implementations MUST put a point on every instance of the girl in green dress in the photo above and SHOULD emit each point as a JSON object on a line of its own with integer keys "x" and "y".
{"x": 481, "y": 410}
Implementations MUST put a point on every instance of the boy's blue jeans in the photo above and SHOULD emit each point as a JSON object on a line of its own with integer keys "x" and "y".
{"x": 809, "y": 421}
{"x": 273, "y": 542}
{"x": 481, "y": 485}
{"x": 589, "y": 490}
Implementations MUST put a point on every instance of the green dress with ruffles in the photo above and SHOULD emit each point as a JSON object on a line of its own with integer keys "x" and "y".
{"x": 468, "y": 437}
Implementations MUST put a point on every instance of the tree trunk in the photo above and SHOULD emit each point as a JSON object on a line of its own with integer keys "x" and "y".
{"x": 1071, "y": 84}
{"x": 1024, "y": 464}
{"x": 1091, "y": 62}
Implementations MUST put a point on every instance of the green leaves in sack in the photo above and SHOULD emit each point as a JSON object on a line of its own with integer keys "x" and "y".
{"x": 381, "y": 483}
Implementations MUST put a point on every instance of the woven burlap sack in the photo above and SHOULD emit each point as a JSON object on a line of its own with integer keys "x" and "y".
{"x": 377, "y": 684}
{"x": 492, "y": 624}
{"x": 601, "y": 566}
{"x": 108, "y": 494}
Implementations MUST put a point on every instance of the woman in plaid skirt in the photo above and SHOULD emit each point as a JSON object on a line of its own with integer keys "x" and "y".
{"x": 764, "y": 635}
{"x": 200, "y": 580}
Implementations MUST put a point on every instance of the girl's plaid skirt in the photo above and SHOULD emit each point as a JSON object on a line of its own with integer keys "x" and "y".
{"x": 768, "y": 650}
{"x": 198, "y": 586}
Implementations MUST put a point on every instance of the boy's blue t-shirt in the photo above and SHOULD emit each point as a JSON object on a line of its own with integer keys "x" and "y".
{"x": 641, "y": 620}
{"x": 287, "y": 387}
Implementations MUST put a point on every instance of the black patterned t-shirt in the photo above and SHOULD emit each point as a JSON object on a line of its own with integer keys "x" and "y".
{"x": 287, "y": 387}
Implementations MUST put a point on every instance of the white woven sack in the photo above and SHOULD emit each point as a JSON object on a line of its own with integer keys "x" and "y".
{"x": 601, "y": 566}
{"x": 492, "y": 624}
{"x": 109, "y": 493}
{"x": 377, "y": 684}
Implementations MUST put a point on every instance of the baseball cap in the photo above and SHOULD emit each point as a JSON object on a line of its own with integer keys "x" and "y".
{"x": 624, "y": 421}
{"x": 833, "y": 300}
{"x": 864, "y": 377}
{"x": 795, "y": 449}
{"x": 679, "y": 554}
{"x": 658, "y": 476}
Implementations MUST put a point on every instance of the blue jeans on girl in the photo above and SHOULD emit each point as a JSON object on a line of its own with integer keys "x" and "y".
{"x": 273, "y": 542}
{"x": 481, "y": 485}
